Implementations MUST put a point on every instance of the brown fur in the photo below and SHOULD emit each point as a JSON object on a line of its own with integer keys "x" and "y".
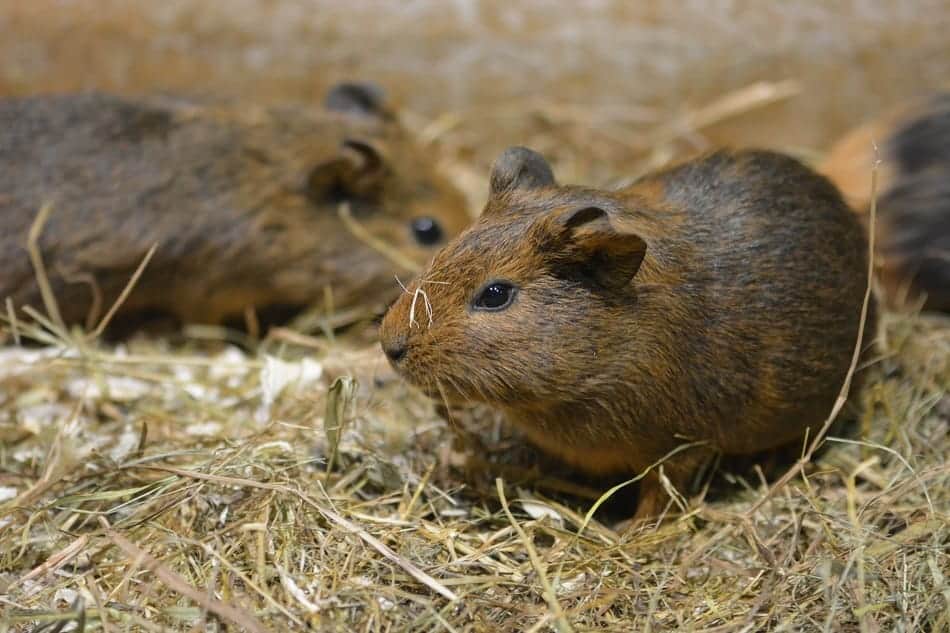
{"x": 242, "y": 202}
{"x": 912, "y": 144}
{"x": 735, "y": 327}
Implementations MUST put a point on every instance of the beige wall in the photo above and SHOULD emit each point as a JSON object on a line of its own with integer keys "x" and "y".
{"x": 497, "y": 60}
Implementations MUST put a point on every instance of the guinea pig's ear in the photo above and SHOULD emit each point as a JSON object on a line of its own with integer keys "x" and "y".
{"x": 520, "y": 168}
{"x": 359, "y": 98}
{"x": 591, "y": 244}
{"x": 358, "y": 169}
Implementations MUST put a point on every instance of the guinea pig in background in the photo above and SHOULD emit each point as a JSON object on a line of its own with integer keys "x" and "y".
{"x": 912, "y": 144}
{"x": 715, "y": 303}
{"x": 242, "y": 202}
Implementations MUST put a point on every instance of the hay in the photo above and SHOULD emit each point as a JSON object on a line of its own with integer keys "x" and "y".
{"x": 148, "y": 488}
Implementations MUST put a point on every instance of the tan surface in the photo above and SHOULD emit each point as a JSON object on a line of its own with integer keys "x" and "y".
{"x": 852, "y": 59}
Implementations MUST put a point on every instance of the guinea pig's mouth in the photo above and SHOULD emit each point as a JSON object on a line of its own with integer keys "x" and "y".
{"x": 446, "y": 396}
{"x": 438, "y": 390}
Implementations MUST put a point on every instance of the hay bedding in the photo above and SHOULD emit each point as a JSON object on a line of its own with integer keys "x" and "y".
{"x": 152, "y": 487}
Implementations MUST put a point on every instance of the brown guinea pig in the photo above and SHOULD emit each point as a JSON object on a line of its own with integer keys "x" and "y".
{"x": 242, "y": 202}
{"x": 912, "y": 144}
{"x": 716, "y": 301}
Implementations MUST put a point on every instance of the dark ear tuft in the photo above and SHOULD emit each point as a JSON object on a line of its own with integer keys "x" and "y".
{"x": 595, "y": 246}
{"x": 583, "y": 216}
{"x": 362, "y": 98}
{"x": 520, "y": 168}
{"x": 359, "y": 169}
{"x": 364, "y": 157}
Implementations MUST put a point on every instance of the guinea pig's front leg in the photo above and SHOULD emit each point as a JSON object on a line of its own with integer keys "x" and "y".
{"x": 654, "y": 502}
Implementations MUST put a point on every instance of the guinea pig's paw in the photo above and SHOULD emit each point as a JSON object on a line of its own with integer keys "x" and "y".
{"x": 634, "y": 526}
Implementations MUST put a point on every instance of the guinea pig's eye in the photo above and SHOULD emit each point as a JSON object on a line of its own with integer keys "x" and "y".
{"x": 496, "y": 295}
{"x": 426, "y": 230}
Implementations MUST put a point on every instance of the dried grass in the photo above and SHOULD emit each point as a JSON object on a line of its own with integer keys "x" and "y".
{"x": 148, "y": 488}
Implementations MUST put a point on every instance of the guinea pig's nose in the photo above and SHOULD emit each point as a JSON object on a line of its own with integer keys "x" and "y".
{"x": 395, "y": 348}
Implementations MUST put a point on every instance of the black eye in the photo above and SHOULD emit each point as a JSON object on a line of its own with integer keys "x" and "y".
{"x": 426, "y": 231}
{"x": 497, "y": 295}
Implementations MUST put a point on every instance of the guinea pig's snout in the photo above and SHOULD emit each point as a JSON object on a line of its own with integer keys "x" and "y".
{"x": 395, "y": 347}
{"x": 393, "y": 335}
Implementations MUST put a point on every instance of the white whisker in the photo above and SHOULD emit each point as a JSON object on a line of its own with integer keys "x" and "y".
{"x": 428, "y": 305}
{"x": 425, "y": 299}
{"x": 412, "y": 307}
{"x": 401, "y": 285}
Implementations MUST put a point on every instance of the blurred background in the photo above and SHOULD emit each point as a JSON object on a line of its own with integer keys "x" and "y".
{"x": 606, "y": 89}
{"x": 600, "y": 82}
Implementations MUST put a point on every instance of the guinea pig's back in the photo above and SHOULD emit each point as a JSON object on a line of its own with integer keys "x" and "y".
{"x": 910, "y": 146}
{"x": 52, "y": 152}
{"x": 119, "y": 175}
{"x": 776, "y": 284}
{"x": 72, "y": 146}
{"x": 915, "y": 207}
